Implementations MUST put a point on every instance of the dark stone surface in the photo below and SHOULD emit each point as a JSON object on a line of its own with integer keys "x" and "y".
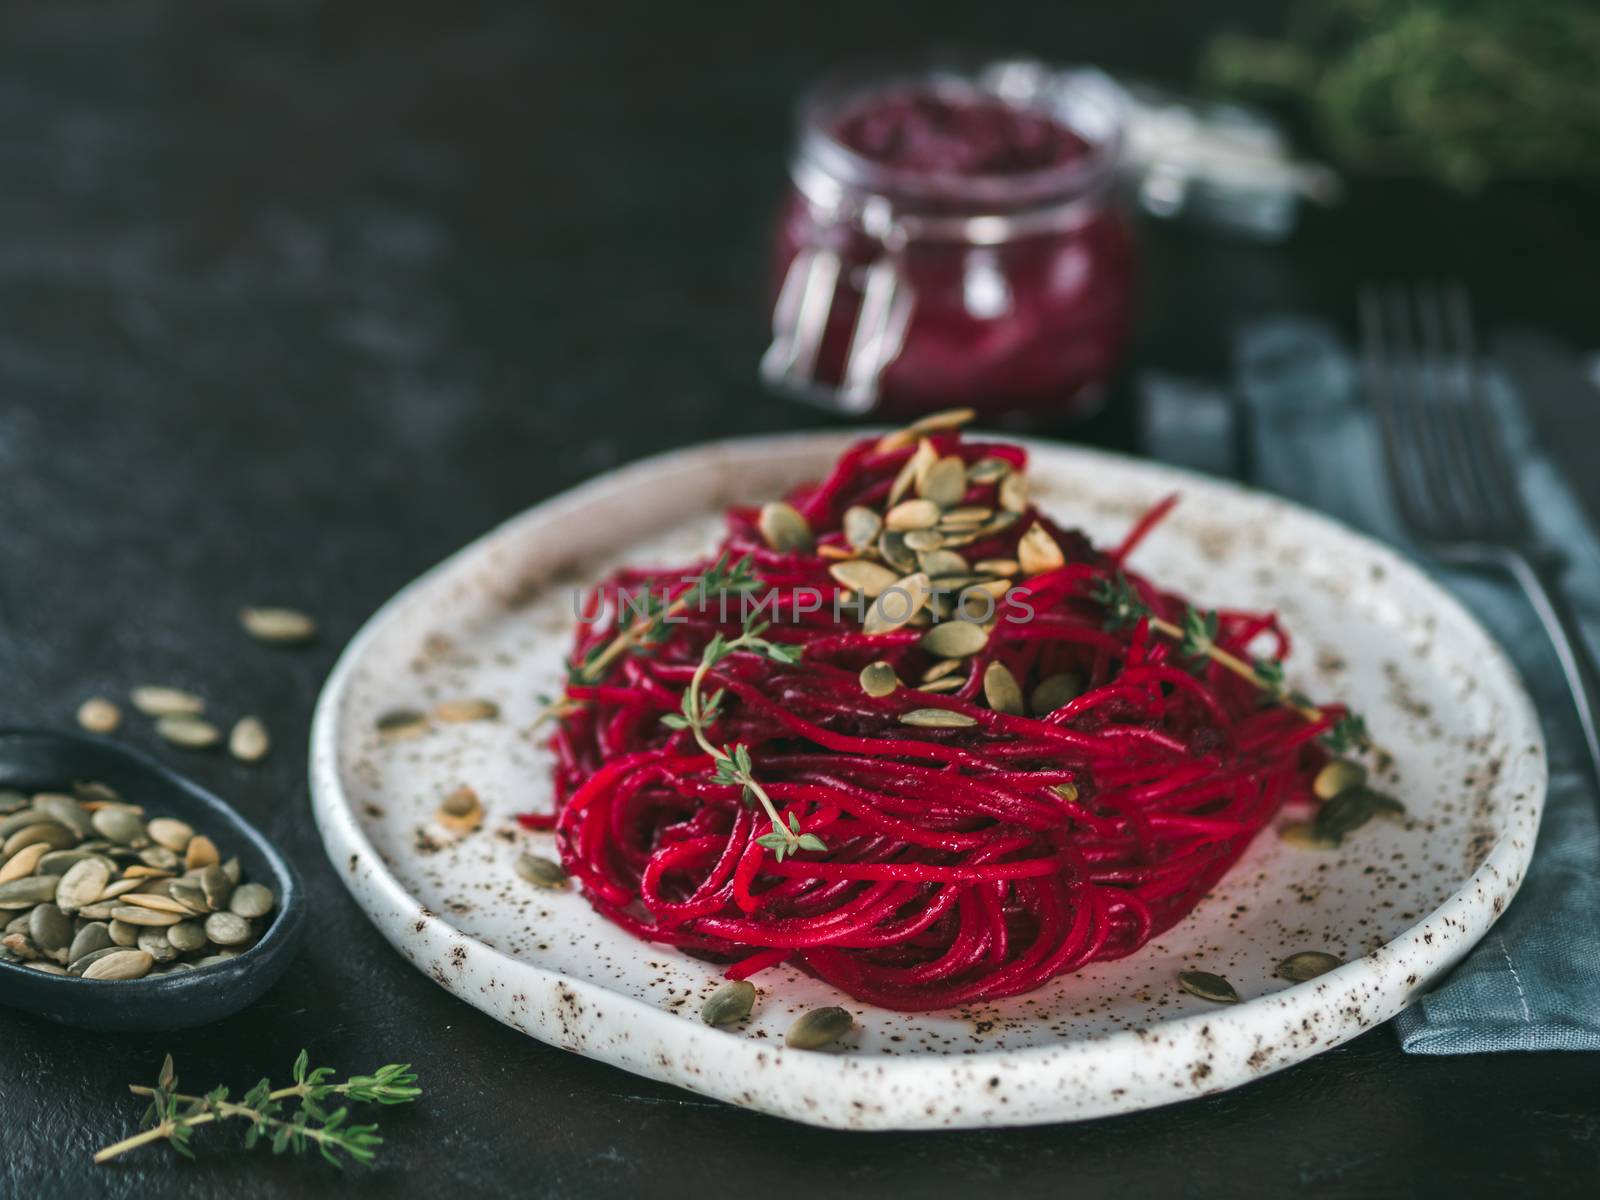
{"x": 296, "y": 299}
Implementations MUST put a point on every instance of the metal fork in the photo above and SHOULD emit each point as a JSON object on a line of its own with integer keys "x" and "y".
{"x": 1452, "y": 481}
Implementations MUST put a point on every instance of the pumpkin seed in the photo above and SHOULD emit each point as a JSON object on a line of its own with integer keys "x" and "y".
{"x": 1307, "y": 964}
{"x": 83, "y": 884}
{"x": 21, "y": 946}
{"x": 173, "y": 834}
{"x": 159, "y": 858}
{"x": 64, "y": 810}
{"x": 897, "y": 605}
{"x": 1208, "y": 987}
{"x": 134, "y": 914}
{"x": 161, "y": 904}
{"x": 1055, "y": 692}
{"x": 460, "y": 811}
{"x": 1013, "y": 492}
{"x": 201, "y": 852}
{"x": 945, "y": 483}
{"x": 154, "y": 943}
{"x": 215, "y": 886}
{"x": 212, "y": 960}
{"x": 1003, "y": 567}
{"x": 936, "y": 718}
{"x": 541, "y": 872}
{"x": 190, "y": 896}
{"x": 189, "y": 732}
{"x": 28, "y": 891}
{"x": 949, "y": 418}
{"x": 955, "y": 639}
{"x": 282, "y": 625}
{"x": 77, "y": 966}
{"x": 455, "y": 712}
{"x": 1337, "y": 777}
{"x": 100, "y": 910}
{"x": 730, "y": 1003}
{"x": 91, "y": 794}
{"x": 1345, "y": 813}
{"x": 943, "y": 685}
{"x": 49, "y": 968}
{"x": 93, "y": 936}
{"x": 231, "y": 869}
{"x": 861, "y": 526}
{"x": 251, "y": 900}
{"x": 402, "y": 723}
{"x": 869, "y": 578}
{"x": 20, "y": 819}
{"x": 49, "y": 927}
{"x": 1001, "y": 690}
{"x": 818, "y": 1028}
{"x": 941, "y": 669}
{"x": 894, "y": 551}
{"x": 912, "y": 470}
{"x": 57, "y": 837}
{"x": 912, "y": 514}
{"x": 988, "y": 470}
{"x": 123, "y": 933}
{"x": 154, "y": 701}
{"x": 1384, "y": 805}
{"x": 923, "y": 541}
{"x": 227, "y": 929}
{"x": 99, "y": 715}
{"x": 878, "y": 680}
{"x": 59, "y": 862}
{"x": 186, "y": 936}
{"x": 124, "y": 964}
{"x": 784, "y": 529}
{"x": 23, "y": 862}
{"x": 249, "y": 741}
{"x": 1037, "y": 552}
{"x": 1306, "y": 836}
{"x": 937, "y": 563}
{"x": 118, "y": 825}
{"x": 965, "y": 518}
{"x": 139, "y": 873}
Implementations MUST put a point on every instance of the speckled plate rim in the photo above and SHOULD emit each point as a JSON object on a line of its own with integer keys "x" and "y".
{"x": 1094, "y": 1076}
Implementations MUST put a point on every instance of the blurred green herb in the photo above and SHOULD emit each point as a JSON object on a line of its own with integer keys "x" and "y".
{"x": 174, "y": 1116}
{"x": 1461, "y": 90}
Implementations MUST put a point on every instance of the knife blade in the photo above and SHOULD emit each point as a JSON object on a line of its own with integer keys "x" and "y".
{"x": 1562, "y": 403}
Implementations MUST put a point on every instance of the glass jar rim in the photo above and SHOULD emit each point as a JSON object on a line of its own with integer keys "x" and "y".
{"x": 1080, "y": 99}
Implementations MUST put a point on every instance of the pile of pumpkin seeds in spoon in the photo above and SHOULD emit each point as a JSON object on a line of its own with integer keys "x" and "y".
{"x": 90, "y": 887}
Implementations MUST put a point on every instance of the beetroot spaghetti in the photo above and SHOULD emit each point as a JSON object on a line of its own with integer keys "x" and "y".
{"x": 905, "y": 732}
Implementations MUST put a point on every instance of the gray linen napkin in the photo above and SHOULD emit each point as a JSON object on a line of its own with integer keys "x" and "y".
{"x": 1534, "y": 982}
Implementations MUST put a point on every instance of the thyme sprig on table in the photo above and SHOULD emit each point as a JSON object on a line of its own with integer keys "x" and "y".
{"x": 173, "y": 1116}
{"x": 1197, "y": 638}
{"x": 733, "y": 763}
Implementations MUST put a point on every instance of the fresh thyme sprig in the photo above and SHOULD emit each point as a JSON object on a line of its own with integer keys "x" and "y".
{"x": 1197, "y": 638}
{"x": 174, "y": 1116}
{"x": 733, "y": 764}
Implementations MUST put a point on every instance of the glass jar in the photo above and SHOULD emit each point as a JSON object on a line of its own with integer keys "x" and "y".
{"x": 953, "y": 238}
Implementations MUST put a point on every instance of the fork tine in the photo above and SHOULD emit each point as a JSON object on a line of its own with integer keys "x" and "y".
{"x": 1378, "y": 369}
{"x": 1495, "y": 477}
{"x": 1457, "y": 479}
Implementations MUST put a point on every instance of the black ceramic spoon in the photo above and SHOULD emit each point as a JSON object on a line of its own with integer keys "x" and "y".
{"x": 36, "y": 760}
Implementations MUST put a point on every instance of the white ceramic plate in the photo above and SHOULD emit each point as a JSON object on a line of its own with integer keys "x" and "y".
{"x": 1402, "y": 904}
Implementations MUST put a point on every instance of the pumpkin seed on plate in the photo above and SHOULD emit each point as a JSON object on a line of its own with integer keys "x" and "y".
{"x": 1002, "y": 691}
{"x": 173, "y": 834}
{"x": 541, "y": 872}
{"x": 154, "y": 701}
{"x": 119, "y": 825}
{"x": 251, "y": 900}
{"x": 936, "y": 718}
{"x": 93, "y": 794}
{"x": 1003, "y": 567}
{"x": 943, "y": 685}
{"x": 912, "y": 514}
{"x": 869, "y": 578}
{"x": 924, "y": 541}
{"x": 878, "y": 680}
{"x": 1337, "y": 777}
{"x": 161, "y": 904}
{"x": 1055, "y": 692}
{"x": 938, "y": 563}
{"x": 28, "y": 891}
{"x": 1037, "y": 552}
{"x": 1013, "y": 492}
{"x": 784, "y": 529}
{"x": 83, "y": 884}
{"x": 96, "y": 935}
{"x": 988, "y": 470}
{"x": 1208, "y": 987}
{"x": 460, "y": 811}
{"x": 1307, "y": 964}
{"x": 64, "y": 810}
{"x": 57, "y": 837}
{"x": 944, "y": 667}
{"x": 123, "y": 933}
{"x": 898, "y": 604}
{"x": 285, "y": 626}
{"x": 955, "y": 639}
{"x": 818, "y": 1028}
{"x": 124, "y": 964}
{"x": 49, "y": 927}
{"x": 186, "y": 936}
{"x": 945, "y": 483}
{"x": 249, "y": 741}
{"x": 215, "y": 886}
{"x": 154, "y": 943}
{"x": 77, "y": 965}
{"x": 134, "y": 914}
{"x": 861, "y": 526}
{"x": 912, "y": 470}
{"x": 192, "y": 733}
{"x": 455, "y": 712}
{"x": 99, "y": 715}
{"x": 729, "y": 1003}
{"x": 402, "y": 723}
{"x": 159, "y": 858}
{"x": 894, "y": 551}
{"x": 1345, "y": 813}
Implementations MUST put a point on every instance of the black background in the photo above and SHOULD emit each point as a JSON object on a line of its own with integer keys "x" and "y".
{"x": 295, "y": 299}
